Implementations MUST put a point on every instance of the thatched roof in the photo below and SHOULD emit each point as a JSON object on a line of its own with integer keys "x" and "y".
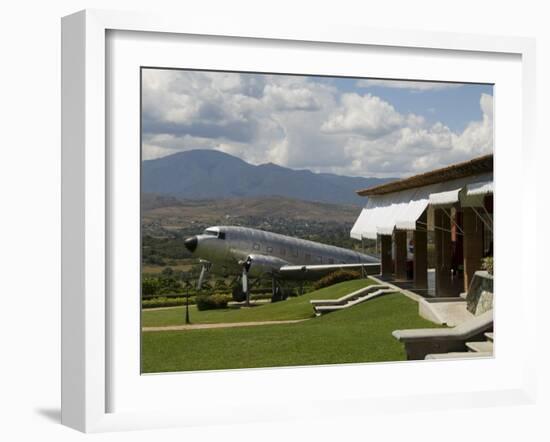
{"x": 476, "y": 166}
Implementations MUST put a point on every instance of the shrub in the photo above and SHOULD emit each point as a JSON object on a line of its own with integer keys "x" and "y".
{"x": 336, "y": 277}
{"x": 487, "y": 264}
{"x": 211, "y": 302}
{"x": 153, "y": 259}
{"x": 163, "y": 301}
{"x": 220, "y": 285}
{"x": 150, "y": 286}
{"x": 167, "y": 271}
{"x": 160, "y": 285}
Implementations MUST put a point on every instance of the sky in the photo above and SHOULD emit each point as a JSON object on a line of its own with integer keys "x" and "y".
{"x": 347, "y": 126}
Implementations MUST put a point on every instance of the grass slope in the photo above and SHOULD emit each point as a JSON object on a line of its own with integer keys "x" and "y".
{"x": 293, "y": 308}
{"x": 359, "y": 334}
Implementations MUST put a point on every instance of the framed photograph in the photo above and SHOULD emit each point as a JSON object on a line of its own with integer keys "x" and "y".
{"x": 305, "y": 213}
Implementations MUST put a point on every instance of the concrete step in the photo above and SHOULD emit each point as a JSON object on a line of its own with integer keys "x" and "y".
{"x": 480, "y": 347}
{"x": 353, "y": 296}
{"x": 331, "y": 308}
{"x": 458, "y": 355}
{"x": 490, "y": 336}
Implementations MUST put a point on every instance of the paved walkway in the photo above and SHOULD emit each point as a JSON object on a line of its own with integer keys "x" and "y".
{"x": 230, "y": 304}
{"x": 218, "y": 325}
{"x": 153, "y": 309}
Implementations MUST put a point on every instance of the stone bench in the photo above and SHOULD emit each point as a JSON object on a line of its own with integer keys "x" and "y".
{"x": 424, "y": 341}
{"x": 459, "y": 355}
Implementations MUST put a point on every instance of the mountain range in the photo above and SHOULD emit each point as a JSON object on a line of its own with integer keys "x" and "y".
{"x": 211, "y": 174}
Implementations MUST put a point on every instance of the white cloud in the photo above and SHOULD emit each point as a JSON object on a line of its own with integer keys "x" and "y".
{"x": 477, "y": 138}
{"x": 259, "y": 117}
{"x": 367, "y": 115}
{"x": 421, "y": 139}
{"x": 198, "y": 104}
{"x": 417, "y": 86}
{"x": 283, "y": 98}
{"x": 299, "y": 122}
{"x": 408, "y": 145}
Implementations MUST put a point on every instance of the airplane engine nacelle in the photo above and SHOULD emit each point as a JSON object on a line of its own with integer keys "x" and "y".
{"x": 261, "y": 264}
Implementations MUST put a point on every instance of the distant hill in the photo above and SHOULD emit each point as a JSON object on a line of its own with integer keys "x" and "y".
{"x": 163, "y": 216}
{"x": 211, "y": 174}
{"x": 186, "y": 212}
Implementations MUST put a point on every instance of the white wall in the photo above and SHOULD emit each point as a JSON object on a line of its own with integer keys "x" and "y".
{"x": 30, "y": 216}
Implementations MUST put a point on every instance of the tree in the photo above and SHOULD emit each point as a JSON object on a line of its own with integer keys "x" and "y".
{"x": 150, "y": 286}
{"x": 167, "y": 271}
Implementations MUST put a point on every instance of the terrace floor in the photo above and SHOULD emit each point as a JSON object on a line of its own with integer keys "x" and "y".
{"x": 457, "y": 284}
{"x": 450, "y": 311}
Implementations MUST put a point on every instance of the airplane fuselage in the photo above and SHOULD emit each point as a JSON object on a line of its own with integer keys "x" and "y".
{"x": 226, "y": 247}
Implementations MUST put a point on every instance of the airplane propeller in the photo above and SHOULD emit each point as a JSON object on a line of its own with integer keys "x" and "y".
{"x": 245, "y": 284}
{"x": 244, "y": 279}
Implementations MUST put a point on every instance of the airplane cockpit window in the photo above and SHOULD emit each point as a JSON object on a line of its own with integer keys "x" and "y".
{"x": 216, "y": 233}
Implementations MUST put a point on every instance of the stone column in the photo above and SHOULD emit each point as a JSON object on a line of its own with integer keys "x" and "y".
{"x": 400, "y": 237}
{"x": 473, "y": 244}
{"x": 420, "y": 262}
{"x": 385, "y": 255}
{"x": 442, "y": 225}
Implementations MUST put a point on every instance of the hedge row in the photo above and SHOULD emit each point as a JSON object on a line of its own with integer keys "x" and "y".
{"x": 192, "y": 294}
{"x": 335, "y": 278}
{"x": 204, "y": 302}
{"x": 163, "y": 301}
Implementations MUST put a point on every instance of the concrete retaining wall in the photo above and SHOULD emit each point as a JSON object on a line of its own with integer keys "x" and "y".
{"x": 480, "y": 293}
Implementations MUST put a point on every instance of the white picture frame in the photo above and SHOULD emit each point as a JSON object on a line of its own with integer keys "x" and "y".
{"x": 87, "y": 205}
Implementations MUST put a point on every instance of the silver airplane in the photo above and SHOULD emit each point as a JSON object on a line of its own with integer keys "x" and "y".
{"x": 255, "y": 253}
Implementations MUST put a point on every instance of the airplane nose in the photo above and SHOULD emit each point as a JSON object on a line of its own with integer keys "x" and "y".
{"x": 191, "y": 243}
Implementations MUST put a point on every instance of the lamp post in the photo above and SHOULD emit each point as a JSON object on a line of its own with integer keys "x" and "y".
{"x": 186, "y": 284}
{"x": 187, "y": 321}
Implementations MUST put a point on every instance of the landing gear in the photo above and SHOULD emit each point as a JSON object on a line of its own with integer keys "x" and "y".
{"x": 241, "y": 290}
{"x": 277, "y": 291}
{"x": 238, "y": 294}
{"x": 205, "y": 267}
{"x": 244, "y": 280}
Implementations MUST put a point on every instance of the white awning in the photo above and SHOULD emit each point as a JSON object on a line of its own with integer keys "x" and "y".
{"x": 360, "y": 228}
{"x": 410, "y": 214}
{"x": 401, "y": 210}
{"x": 473, "y": 195}
{"x": 447, "y": 198}
{"x": 385, "y": 212}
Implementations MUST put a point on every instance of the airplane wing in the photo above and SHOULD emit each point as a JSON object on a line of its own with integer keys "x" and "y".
{"x": 318, "y": 271}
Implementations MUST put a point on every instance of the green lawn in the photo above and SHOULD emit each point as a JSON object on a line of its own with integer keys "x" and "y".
{"x": 359, "y": 334}
{"x": 293, "y": 308}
